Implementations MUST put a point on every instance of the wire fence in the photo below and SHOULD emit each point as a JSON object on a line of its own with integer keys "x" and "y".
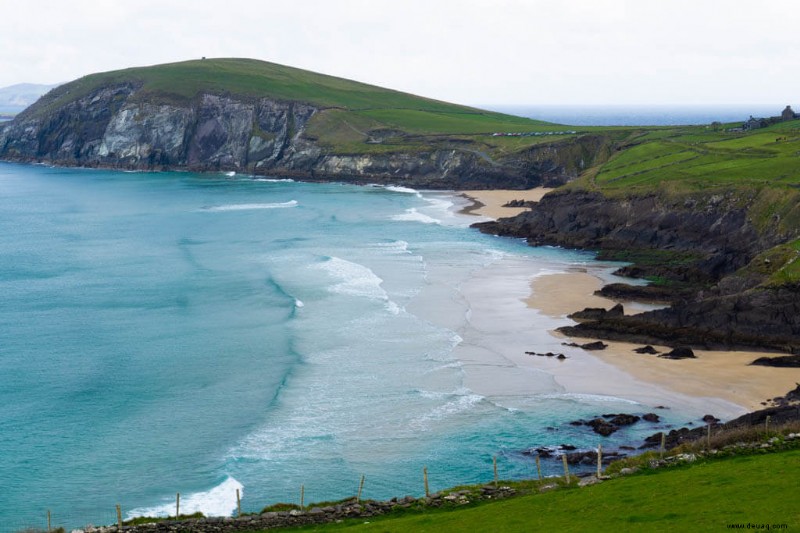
{"x": 53, "y": 520}
{"x": 114, "y": 515}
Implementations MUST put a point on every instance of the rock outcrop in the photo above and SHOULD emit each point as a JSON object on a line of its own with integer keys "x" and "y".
{"x": 115, "y": 127}
{"x": 693, "y": 240}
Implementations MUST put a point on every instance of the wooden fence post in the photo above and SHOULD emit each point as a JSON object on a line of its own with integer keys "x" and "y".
{"x": 663, "y": 443}
{"x": 566, "y": 467}
{"x": 48, "y": 521}
{"x": 708, "y": 437}
{"x": 425, "y": 478}
{"x": 599, "y": 460}
{"x": 238, "y": 504}
{"x": 302, "y": 496}
{"x": 119, "y": 517}
{"x": 538, "y": 467}
{"x": 177, "y": 506}
{"x": 494, "y": 464}
{"x": 360, "y": 488}
{"x": 766, "y": 426}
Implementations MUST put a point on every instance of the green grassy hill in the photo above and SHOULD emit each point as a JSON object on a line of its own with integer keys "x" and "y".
{"x": 349, "y": 109}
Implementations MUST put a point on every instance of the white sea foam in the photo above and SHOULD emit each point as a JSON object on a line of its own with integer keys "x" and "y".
{"x": 230, "y": 174}
{"x": 462, "y": 401}
{"x": 393, "y": 247}
{"x": 586, "y": 398}
{"x": 406, "y": 190}
{"x": 275, "y": 180}
{"x": 356, "y": 280}
{"x": 298, "y": 303}
{"x": 412, "y": 215}
{"x": 353, "y": 278}
{"x": 439, "y": 203}
{"x": 219, "y": 501}
{"x": 246, "y": 207}
{"x": 454, "y": 364}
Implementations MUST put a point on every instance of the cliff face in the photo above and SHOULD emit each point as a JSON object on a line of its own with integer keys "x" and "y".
{"x": 715, "y": 230}
{"x": 111, "y": 127}
{"x": 702, "y": 240}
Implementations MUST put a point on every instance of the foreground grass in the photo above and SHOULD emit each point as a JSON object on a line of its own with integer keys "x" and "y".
{"x": 703, "y": 496}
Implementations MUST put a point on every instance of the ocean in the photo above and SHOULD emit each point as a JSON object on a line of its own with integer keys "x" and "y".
{"x": 166, "y": 333}
{"x": 640, "y": 115}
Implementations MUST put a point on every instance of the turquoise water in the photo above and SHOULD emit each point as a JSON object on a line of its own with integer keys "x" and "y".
{"x": 173, "y": 332}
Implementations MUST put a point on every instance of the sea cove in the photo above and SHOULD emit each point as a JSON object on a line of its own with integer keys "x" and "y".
{"x": 176, "y": 332}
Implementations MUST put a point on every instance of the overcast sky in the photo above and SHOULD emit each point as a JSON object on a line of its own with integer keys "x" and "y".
{"x": 475, "y": 52}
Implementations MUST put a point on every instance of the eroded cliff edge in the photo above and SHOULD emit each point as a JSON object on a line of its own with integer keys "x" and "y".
{"x": 719, "y": 258}
{"x": 116, "y": 128}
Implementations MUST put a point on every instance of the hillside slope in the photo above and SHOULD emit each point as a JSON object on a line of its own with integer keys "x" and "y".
{"x": 712, "y": 218}
{"x": 261, "y": 118}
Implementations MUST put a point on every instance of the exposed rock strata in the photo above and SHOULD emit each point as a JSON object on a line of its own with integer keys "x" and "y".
{"x": 117, "y": 128}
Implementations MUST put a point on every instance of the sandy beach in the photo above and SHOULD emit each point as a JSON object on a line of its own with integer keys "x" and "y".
{"x": 722, "y": 383}
{"x": 490, "y": 203}
{"x": 721, "y": 374}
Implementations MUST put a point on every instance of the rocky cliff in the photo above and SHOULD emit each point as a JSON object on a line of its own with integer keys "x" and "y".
{"x": 112, "y": 126}
{"x": 706, "y": 248}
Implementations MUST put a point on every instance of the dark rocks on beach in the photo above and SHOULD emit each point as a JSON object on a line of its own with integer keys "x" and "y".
{"x": 646, "y": 350}
{"x": 681, "y": 352}
{"x": 548, "y": 354}
{"x": 645, "y": 293}
{"x": 598, "y": 313}
{"x": 520, "y": 203}
{"x": 789, "y": 361}
{"x": 651, "y": 417}
{"x": 596, "y": 345}
{"x": 710, "y": 419}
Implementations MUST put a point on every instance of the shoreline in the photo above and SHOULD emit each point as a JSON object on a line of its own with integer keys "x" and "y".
{"x": 490, "y": 203}
{"x": 721, "y": 382}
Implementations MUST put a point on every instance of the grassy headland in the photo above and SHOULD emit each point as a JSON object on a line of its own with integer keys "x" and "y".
{"x": 350, "y": 110}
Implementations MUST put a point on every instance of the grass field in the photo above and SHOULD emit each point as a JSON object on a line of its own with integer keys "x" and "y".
{"x": 705, "y": 496}
{"x": 700, "y": 158}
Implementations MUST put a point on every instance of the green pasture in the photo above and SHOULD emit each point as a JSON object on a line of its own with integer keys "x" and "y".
{"x": 702, "y": 496}
{"x": 700, "y": 158}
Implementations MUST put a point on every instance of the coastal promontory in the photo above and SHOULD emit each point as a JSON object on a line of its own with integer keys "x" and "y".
{"x": 260, "y": 118}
